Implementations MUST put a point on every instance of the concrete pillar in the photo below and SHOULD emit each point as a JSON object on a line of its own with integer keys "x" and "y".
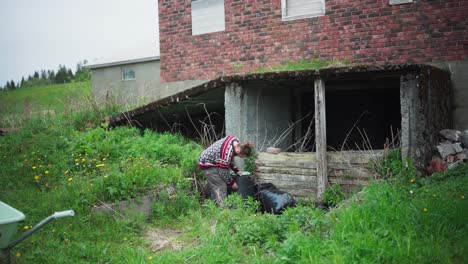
{"x": 413, "y": 120}
{"x": 234, "y": 105}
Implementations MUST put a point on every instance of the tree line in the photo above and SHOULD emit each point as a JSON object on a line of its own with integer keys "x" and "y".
{"x": 43, "y": 77}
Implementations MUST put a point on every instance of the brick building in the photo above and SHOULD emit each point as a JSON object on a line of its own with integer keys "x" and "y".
{"x": 259, "y": 33}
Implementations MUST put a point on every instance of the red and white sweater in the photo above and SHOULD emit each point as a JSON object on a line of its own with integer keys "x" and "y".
{"x": 220, "y": 155}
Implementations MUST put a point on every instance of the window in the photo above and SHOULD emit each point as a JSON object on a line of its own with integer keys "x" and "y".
{"x": 296, "y": 9}
{"x": 398, "y": 2}
{"x": 207, "y": 16}
{"x": 128, "y": 74}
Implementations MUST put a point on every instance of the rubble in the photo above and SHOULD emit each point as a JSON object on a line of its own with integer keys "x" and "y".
{"x": 453, "y": 151}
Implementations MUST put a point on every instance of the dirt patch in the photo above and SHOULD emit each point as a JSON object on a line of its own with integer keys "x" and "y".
{"x": 163, "y": 239}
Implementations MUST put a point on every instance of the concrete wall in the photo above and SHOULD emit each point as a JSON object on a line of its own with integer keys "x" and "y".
{"x": 108, "y": 86}
{"x": 259, "y": 114}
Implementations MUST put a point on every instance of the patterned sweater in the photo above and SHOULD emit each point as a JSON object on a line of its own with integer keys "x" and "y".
{"x": 220, "y": 155}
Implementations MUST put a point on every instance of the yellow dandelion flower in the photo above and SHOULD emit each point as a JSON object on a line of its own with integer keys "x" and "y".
{"x": 150, "y": 257}
{"x": 462, "y": 196}
{"x": 413, "y": 180}
{"x": 125, "y": 239}
{"x": 83, "y": 160}
{"x": 18, "y": 254}
{"x": 37, "y": 177}
{"x": 103, "y": 159}
{"x": 66, "y": 172}
{"x": 76, "y": 160}
{"x": 53, "y": 230}
{"x": 40, "y": 166}
{"x": 46, "y": 172}
{"x": 34, "y": 167}
{"x": 26, "y": 227}
{"x": 99, "y": 165}
{"x": 425, "y": 209}
{"x": 70, "y": 179}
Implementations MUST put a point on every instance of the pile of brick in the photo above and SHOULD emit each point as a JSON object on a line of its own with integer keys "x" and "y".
{"x": 452, "y": 149}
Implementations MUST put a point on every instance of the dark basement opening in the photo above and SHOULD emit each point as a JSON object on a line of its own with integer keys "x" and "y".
{"x": 360, "y": 114}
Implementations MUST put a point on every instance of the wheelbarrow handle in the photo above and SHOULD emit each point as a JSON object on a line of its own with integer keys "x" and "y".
{"x": 63, "y": 214}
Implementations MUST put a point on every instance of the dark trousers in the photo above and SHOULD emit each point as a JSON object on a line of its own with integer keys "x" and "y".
{"x": 216, "y": 185}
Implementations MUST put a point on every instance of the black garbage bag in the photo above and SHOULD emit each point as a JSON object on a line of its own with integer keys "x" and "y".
{"x": 246, "y": 187}
{"x": 273, "y": 200}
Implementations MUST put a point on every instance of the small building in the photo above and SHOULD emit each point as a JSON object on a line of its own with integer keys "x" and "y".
{"x": 132, "y": 78}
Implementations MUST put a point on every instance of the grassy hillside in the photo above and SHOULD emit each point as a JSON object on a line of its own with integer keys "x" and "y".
{"x": 54, "y": 99}
{"x": 55, "y": 163}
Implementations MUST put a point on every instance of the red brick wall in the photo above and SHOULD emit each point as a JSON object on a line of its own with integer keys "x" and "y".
{"x": 359, "y": 31}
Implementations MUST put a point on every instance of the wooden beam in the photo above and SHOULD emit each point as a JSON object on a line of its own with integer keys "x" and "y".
{"x": 320, "y": 137}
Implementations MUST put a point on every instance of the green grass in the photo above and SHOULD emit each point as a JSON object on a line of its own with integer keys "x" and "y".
{"x": 303, "y": 65}
{"x": 54, "y": 99}
{"x": 70, "y": 161}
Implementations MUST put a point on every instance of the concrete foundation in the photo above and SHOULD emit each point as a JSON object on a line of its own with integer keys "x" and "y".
{"x": 259, "y": 114}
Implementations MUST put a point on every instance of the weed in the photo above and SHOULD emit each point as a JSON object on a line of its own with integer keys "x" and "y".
{"x": 334, "y": 195}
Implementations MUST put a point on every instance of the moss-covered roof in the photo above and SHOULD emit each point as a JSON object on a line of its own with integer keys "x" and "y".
{"x": 204, "y": 91}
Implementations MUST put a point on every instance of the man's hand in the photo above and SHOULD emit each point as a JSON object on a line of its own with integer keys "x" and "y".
{"x": 239, "y": 173}
{"x": 234, "y": 186}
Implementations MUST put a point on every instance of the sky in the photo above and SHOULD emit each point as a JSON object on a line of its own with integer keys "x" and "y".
{"x": 43, "y": 34}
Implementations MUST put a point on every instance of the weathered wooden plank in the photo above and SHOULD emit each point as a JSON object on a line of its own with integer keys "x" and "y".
{"x": 291, "y": 177}
{"x": 320, "y": 136}
{"x": 334, "y": 180}
{"x": 299, "y": 184}
{"x": 351, "y": 173}
{"x": 264, "y": 163}
{"x": 288, "y": 156}
{"x": 302, "y": 192}
{"x": 356, "y": 157}
{"x": 348, "y": 166}
{"x": 286, "y": 171}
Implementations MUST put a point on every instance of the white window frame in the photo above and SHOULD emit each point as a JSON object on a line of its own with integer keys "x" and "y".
{"x": 285, "y": 17}
{"x": 399, "y": 2}
{"x": 124, "y": 75}
{"x": 198, "y": 29}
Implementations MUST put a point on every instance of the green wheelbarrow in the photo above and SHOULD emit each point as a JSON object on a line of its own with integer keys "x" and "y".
{"x": 9, "y": 218}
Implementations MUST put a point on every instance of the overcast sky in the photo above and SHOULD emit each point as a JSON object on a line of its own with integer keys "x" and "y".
{"x": 41, "y": 34}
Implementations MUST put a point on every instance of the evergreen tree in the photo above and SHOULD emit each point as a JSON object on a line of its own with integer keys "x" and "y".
{"x": 36, "y": 75}
{"x": 70, "y": 75}
{"x": 22, "y": 83}
{"x": 62, "y": 75}
{"x": 52, "y": 76}
{"x": 43, "y": 75}
{"x": 11, "y": 85}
